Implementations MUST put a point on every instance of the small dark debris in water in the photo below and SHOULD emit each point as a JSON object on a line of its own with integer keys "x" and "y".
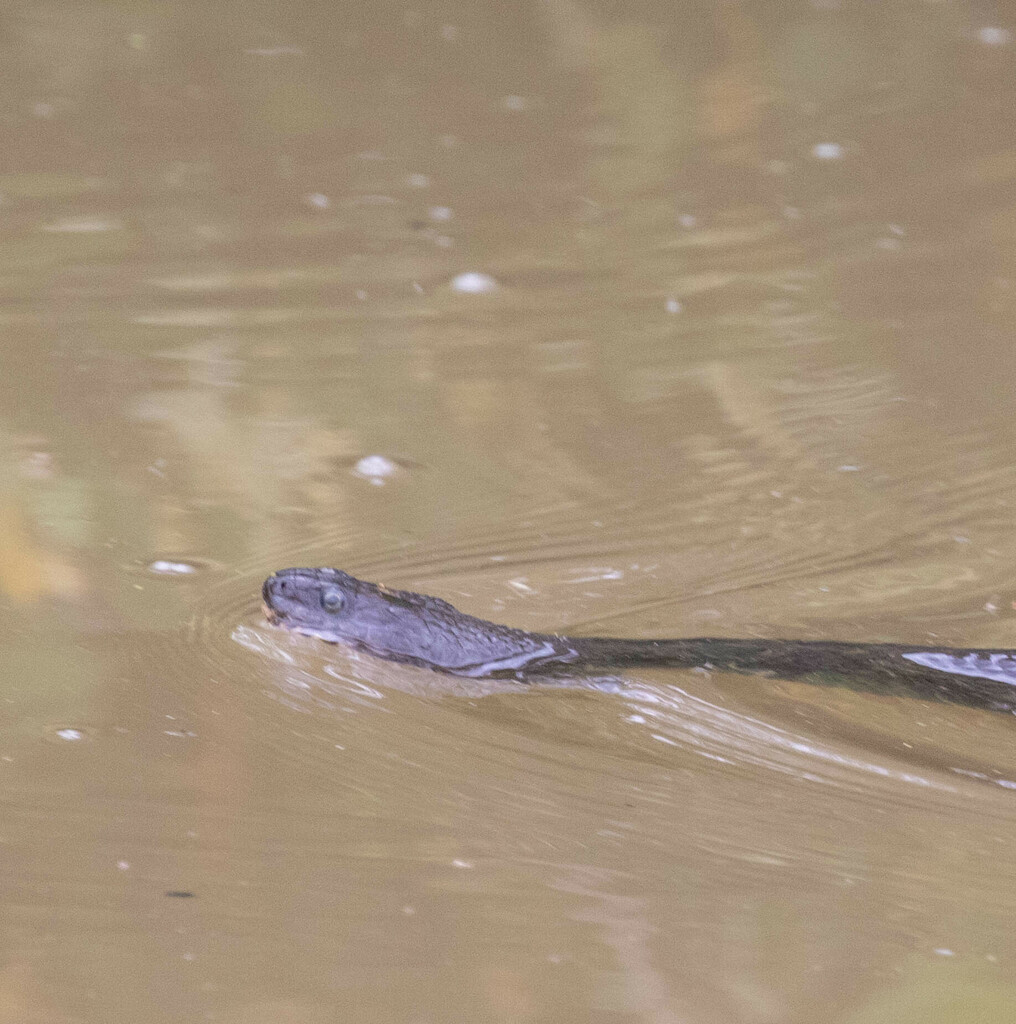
{"x": 181, "y": 894}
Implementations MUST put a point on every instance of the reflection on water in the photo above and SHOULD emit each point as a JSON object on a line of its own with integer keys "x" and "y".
{"x": 745, "y": 369}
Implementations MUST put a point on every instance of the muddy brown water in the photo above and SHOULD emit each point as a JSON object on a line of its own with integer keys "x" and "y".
{"x": 741, "y": 363}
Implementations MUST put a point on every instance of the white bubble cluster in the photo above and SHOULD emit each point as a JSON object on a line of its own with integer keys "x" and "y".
{"x": 472, "y": 282}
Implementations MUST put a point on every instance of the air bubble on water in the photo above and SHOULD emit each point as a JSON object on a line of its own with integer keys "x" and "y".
{"x": 473, "y": 282}
{"x": 440, "y": 213}
{"x": 84, "y": 225}
{"x": 596, "y": 573}
{"x": 318, "y": 199}
{"x": 827, "y": 151}
{"x": 166, "y": 567}
{"x": 375, "y": 468}
{"x": 71, "y": 735}
{"x": 283, "y": 50}
{"x": 513, "y": 103}
{"x": 673, "y": 306}
{"x": 992, "y": 35}
{"x": 38, "y": 466}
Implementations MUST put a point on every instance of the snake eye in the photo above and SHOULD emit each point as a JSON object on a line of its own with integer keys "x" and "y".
{"x": 332, "y": 599}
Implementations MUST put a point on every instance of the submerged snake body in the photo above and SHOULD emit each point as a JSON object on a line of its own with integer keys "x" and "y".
{"x": 426, "y": 631}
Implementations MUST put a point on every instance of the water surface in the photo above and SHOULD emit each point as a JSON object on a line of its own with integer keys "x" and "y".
{"x": 740, "y": 363}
